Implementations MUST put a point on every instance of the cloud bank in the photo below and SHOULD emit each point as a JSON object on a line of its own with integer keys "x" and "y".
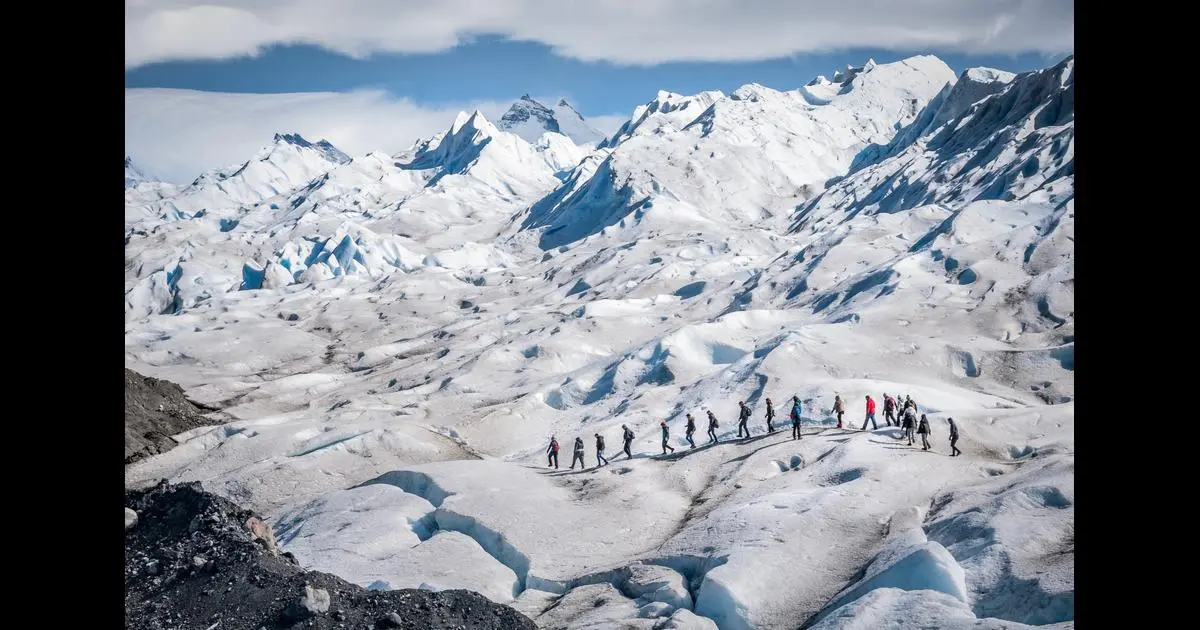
{"x": 635, "y": 32}
{"x": 177, "y": 134}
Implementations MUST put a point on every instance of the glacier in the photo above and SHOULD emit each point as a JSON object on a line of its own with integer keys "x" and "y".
{"x": 397, "y": 337}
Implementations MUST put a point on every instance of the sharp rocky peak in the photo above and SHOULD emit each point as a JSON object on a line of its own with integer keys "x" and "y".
{"x": 324, "y": 147}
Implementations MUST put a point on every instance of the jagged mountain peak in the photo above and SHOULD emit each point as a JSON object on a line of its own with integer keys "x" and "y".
{"x": 133, "y": 174}
{"x": 473, "y": 124}
{"x": 323, "y": 147}
{"x": 529, "y": 119}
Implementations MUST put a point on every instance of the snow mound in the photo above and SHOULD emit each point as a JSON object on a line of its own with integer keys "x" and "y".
{"x": 909, "y": 561}
{"x": 531, "y": 525}
{"x": 594, "y": 607}
{"x": 1010, "y": 534}
{"x": 657, "y": 583}
{"x": 899, "y": 608}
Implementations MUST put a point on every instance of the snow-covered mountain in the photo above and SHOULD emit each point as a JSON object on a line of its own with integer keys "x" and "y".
{"x": 744, "y": 160}
{"x": 530, "y": 119}
{"x": 399, "y": 336}
{"x": 133, "y": 175}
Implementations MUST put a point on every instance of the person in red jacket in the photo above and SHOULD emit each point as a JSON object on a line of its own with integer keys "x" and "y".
{"x": 870, "y": 414}
{"x": 552, "y": 453}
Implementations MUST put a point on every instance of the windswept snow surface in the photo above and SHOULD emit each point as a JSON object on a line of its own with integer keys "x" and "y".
{"x": 398, "y": 337}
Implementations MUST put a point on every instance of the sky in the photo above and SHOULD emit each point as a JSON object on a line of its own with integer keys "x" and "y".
{"x": 207, "y": 85}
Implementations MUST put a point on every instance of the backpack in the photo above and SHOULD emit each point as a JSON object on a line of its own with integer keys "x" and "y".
{"x": 628, "y": 435}
{"x": 554, "y": 445}
{"x": 600, "y": 442}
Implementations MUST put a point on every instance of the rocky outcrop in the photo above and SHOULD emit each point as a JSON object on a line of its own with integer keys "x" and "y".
{"x": 196, "y": 560}
{"x": 154, "y": 411}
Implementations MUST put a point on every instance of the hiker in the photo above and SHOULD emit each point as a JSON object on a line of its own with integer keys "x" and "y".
{"x": 627, "y": 435}
{"x": 578, "y": 455}
{"x": 600, "y": 450}
{"x": 666, "y": 437}
{"x": 770, "y": 416}
{"x": 796, "y": 435}
{"x": 712, "y": 428}
{"x": 691, "y": 428}
{"x": 839, "y": 408}
{"x": 923, "y": 429}
{"x": 908, "y": 402}
{"x": 870, "y": 414}
{"x": 889, "y": 410}
{"x": 552, "y": 453}
{"x": 743, "y": 417}
{"x": 954, "y": 452}
{"x": 910, "y": 420}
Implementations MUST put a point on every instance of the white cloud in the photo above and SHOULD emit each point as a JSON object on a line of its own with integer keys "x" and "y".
{"x": 622, "y": 31}
{"x": 177, "y": 134}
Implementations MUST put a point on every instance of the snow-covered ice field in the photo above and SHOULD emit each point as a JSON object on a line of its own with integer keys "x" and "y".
{"x": 397, "y": 338}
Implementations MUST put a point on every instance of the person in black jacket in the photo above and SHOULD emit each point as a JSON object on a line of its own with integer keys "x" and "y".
{"x": 770, "y": 416}
{"x": 743, "y": 417}
{"x": 691, "y": 428}
{"x": 578, "y": 454}
{"x": 666, "y": 431}
{"x": 627, "y": 435}
{"x": 712, "y": 428}
{"x": 796, "y": 433}
{"x": 954, "y": 452}
{"x": 923, "y": 429}
{"x": 910, "y": 421}
{"x": 600, "y": 450}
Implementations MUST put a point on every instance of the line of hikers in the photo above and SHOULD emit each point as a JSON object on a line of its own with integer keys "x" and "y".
{"x": 903, "y": 415}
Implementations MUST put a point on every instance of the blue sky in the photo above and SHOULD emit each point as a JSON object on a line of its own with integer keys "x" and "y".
{"x": 209, "y": 82}
{"x": 492, "y": 69}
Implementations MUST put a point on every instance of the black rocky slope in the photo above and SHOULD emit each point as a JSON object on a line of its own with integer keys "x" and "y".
{"x": 196, "y": 560}
{"x": 154, "y": 411}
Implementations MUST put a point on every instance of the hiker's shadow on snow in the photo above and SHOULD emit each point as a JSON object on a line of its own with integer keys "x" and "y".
{"x": 681, "y": 452}
{"x": 743, "y": 458}
{"x": 892, "y": 432}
